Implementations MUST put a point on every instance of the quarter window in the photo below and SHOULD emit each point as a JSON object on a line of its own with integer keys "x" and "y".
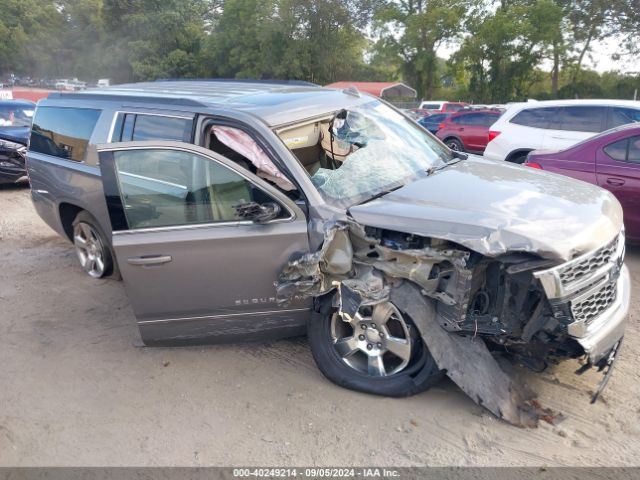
{"x": 534, "y": 117}
{"x": 161, "y": 188}
{"x": 63, "y": 132}
{"x": 617, "y": 150}
{"x": 622, "y": 116}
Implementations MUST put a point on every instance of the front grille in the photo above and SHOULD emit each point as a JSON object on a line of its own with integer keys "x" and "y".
{"x": 576, "y": 271}
{"x": 587, "y": 309}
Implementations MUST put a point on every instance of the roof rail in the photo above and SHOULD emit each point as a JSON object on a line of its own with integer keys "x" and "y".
{"x": 187, "y": 102}
{"x": 242, "y": 80}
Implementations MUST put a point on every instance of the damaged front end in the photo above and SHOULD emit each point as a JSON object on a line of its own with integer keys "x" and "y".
{"x": 469, "y": 306}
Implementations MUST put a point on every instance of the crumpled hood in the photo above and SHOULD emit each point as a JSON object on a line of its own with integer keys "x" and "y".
{"x": 496, "y": 207}
{"x": 15, "y": 134}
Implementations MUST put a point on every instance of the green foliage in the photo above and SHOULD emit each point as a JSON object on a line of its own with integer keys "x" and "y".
{"x": 500, "y": 45}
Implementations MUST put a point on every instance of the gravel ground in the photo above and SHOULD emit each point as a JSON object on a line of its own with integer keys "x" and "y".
{"x": 76, "y": 391}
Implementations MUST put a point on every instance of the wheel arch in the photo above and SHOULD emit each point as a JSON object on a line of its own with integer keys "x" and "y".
{"x": 68, "y": 212}
{"x": 516, "y": 153}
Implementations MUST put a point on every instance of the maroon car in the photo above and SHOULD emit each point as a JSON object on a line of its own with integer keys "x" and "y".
{"x": 468, "y": 131}
{"x": 610, "y": 160}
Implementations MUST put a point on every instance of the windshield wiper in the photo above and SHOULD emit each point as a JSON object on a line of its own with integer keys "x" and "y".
{"x": 458, "y": 157}
{"x": 381, "y": 194}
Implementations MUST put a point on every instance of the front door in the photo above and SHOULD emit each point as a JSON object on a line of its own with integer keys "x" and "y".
{"x": 195, "y": 269}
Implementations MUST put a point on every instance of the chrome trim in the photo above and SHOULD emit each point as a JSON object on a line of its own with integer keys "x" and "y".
{"x": 604, "y": 331}
{"x": 551, "y": 278}
{"x": 227, "y": 315}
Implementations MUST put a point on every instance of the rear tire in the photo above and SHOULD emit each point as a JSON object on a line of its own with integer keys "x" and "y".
{"x": 518, "y": 158}
{"x": 454, "y": 144}
{"x": 415, "y": 372}
{"x": 92, "y": 247}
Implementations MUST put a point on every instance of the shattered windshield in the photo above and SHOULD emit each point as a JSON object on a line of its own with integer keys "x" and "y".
{"x": 367, "y": 151}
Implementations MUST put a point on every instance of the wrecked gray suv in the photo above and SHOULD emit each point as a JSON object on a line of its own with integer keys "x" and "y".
{"x": 238, "y": 210}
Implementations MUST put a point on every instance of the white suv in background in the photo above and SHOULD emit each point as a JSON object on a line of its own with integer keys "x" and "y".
{"x": 554, "y": 125}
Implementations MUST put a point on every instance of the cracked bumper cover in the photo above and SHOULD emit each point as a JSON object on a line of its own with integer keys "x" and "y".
{"x": 602, "y": 334}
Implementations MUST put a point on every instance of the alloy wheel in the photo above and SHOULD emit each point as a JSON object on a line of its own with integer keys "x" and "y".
{"x": 89, "y": 249}
{"x": 377, "y": 343}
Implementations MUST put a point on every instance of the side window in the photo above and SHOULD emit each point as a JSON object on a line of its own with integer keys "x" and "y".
{"x": 634, "y": 150}
{"x": 63, "y": 132}
{"x": 161, "y": 188}
{"x": 461, "y": 120}
{"x": 617, "y": 150}
{"x": 534, "y": 117}
{"x": 488, "y": 119}
{"x": 140, "y": 127}
{"x": 622, "y": 116}
{"x": 580, "y": 119}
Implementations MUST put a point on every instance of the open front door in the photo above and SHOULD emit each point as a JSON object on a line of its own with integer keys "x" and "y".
{"x": 194, "y": 268}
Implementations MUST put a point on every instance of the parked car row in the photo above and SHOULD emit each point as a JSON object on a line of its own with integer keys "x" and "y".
{"x": 15, "y": 124}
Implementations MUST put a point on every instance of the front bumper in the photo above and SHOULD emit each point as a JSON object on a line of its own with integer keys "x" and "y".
{"x": 590, "y": 296}
{"x": 605, "y": 331}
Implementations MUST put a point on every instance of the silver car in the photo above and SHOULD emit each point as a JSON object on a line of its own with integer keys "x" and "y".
{"x": 242, "y": 210}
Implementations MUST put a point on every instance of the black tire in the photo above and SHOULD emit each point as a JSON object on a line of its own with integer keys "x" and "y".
{"x": 110, "y": 266}
{"x": 454, "y": 144}
{"x": 518, "y": 158}
{"x": 419, "y": 375}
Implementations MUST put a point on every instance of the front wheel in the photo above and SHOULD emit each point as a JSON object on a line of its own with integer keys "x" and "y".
{"x": 380, "y": 352}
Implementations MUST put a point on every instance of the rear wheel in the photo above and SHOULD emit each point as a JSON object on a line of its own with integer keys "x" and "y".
{"x": 92, "y": 249}
{"x": 454, "y": 144}
{"x": 380, "y": 352}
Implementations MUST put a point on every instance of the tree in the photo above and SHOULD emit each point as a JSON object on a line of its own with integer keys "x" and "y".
{"x": 414, "y": 30}
{"x": 505, "y": 47}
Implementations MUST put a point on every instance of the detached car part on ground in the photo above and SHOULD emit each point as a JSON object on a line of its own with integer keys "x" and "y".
{"x": 411, "y": 259}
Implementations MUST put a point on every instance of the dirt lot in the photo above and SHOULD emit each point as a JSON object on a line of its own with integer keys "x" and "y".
{"x": 75, "y": 390}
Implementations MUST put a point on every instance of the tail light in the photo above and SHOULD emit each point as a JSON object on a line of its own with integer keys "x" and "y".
{"x": 493, "y": 134}
{"x": 533, "y": 165}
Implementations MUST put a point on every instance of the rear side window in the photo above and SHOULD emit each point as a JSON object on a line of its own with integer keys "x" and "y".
{"x": 626, "y": 150}
{"x": 534, "y": 117}
{"x": 580, "y": 119}
{"x": 622, "y": 116}
{"x": 63, "y": 132}
{"x": 139, "y": 127}
{"x": 617, "y": 150}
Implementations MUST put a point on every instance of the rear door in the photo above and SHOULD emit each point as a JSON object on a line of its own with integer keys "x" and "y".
{"x": 573, "y": 124}
{"x": 618, "y": 170}
{"x": 193, "y": 268}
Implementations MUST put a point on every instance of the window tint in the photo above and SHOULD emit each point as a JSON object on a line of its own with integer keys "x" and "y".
{"x": 634, "y": 150}
{"x": 617, "y": 150}
{"x": 162, "y": 188}
{"x": 487, "y": 119}
{"x": 138, "y": 127}
{"x": 622, "y": 116}
{"x": 534, "y": 117}
{"x": 461, "y": 120}
{"x": 579, "y": 119}
{"x": 454, "y": 108}
{"x": 63, "y": 132}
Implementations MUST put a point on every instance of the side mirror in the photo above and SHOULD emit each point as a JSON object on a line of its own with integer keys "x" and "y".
{"x": 258, "y": 213}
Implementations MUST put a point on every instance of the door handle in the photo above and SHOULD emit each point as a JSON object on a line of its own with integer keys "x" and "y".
{"x": 616, "y": 182}
{"x": 149, "y": 260}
